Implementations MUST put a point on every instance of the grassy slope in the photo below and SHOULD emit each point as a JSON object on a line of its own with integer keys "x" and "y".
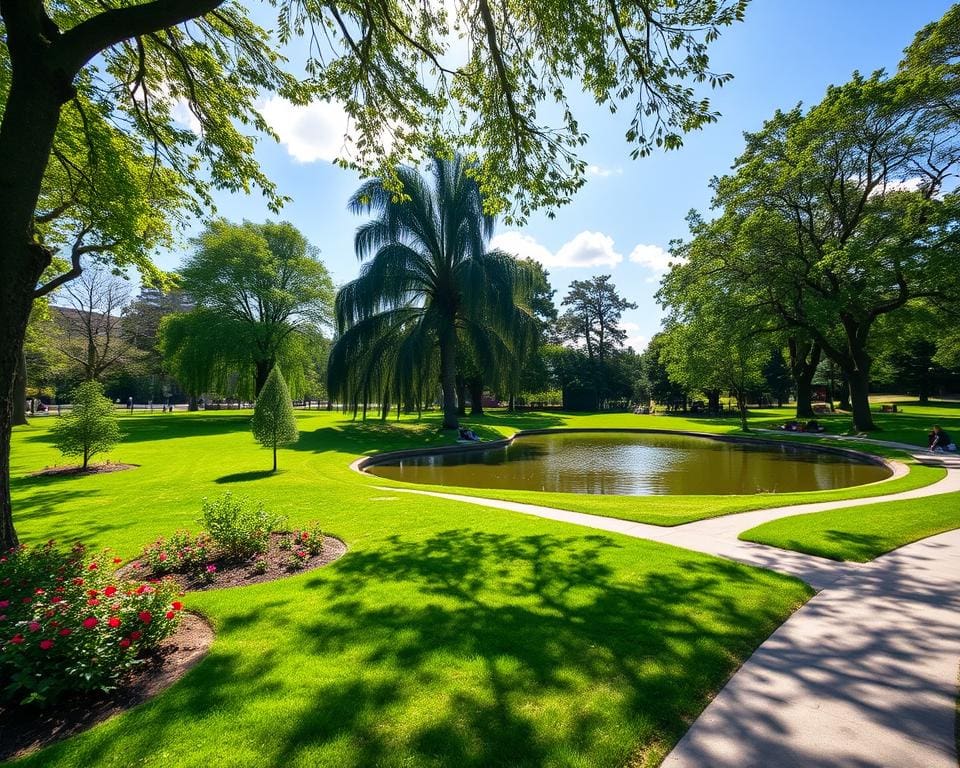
{"x": 861, "y": 533}
{"x": 675, "y": 510}
{"x": 446, "y": 636}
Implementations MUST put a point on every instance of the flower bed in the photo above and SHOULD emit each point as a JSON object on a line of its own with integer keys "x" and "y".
{"x": 284, "y": 554}
{"x": 69, "y": 624}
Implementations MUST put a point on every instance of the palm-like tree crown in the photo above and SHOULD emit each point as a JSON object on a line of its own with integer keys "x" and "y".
{"x": 428, "y": 282}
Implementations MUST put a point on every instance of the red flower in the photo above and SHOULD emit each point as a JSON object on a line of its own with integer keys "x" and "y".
{"x": 113, "y": 622}
{"x": 110, "y": 591}
{"x": 93, "y": 601}
{"x": 92, "y": 592}
{"x": 145, "y": 616}
{"x": 177, "y": 605}
{"x": 117, "y": 560}
{"x": 92, "y": 567}
{"x": 26, "y": 601}
{"x": 34, "y": 626}
{"x": 78, "y": 582}
{"x": 305, "y": 535}
{"x": 171, "y": 614}
{"x": 38, "y": 591}
{"x": 16, "y": 639}
{"x": 136, "y": 635}
{"x": 46, "y": 645}
{"x": 4, "y": 603}
{"x": 90, "y": 622}
{"x": 56, "y": 599}
{"x": 64, "y": 632}
{"x": 162, "y": 556}
{"x": 124, "y": 643}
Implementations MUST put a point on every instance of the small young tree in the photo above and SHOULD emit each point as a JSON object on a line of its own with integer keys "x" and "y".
{"x": 90, "y": 427}
{"x": 274, "y": 422}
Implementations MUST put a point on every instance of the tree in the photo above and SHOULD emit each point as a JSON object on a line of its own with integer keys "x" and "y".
{"x": 593, "y": 319}
{"x": 120, "y": 73}
{"x": 274, "y": 422}
{"x": 428, "y": 287}
{"x": 90, "y": 427}
{"x": 842, "y": 216}
{"x": 776, "y": 376}
{"x": 88, "y": 311}
{"x": 263, "y": 283}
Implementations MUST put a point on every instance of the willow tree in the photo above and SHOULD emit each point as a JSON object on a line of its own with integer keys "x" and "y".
{"x": 428, "y": 285}
{"x": 385, "y": 61}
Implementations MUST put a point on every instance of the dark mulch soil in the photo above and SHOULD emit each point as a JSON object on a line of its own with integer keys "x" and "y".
{"x": 92, "y": 469}
{"x": 24, "y": 729}
{"x": 238, "y": 574}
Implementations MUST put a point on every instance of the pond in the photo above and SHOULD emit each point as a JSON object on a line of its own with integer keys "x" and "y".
{"x": 638, "y": 464}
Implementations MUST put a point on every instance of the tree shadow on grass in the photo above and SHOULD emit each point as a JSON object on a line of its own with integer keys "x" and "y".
{"x": 462, "y": 648}
{"x": 244, "y": 477}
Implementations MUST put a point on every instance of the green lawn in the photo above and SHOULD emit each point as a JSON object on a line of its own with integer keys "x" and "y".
{"x": 861, "y": 533}
{"x": 447, "y": 635}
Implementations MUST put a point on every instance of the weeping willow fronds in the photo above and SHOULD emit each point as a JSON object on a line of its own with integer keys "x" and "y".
{"x": 427, "y": 285}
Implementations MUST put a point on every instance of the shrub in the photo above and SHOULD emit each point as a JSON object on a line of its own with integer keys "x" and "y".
{"x": 90, "y": 427}
{"x": 238, "y": 528}
{"x": 309, "y": 538}
{"x": 181, "y": 553}
{"x": 67, "y": 625}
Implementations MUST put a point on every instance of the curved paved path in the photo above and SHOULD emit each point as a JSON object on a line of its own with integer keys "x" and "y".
{"x": 863, "y": 675}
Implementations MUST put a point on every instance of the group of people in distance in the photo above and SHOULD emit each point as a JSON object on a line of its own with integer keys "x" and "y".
{"x": 795, "y": 426}
{"x": 938, "y": 440}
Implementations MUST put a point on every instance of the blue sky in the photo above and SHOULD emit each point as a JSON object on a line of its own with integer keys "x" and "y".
{"x": 622, "y": 220}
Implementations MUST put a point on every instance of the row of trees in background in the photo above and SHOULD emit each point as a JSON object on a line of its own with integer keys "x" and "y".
{"x": 837, "y": 236}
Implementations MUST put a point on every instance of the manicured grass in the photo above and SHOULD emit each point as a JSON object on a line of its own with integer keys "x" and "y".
{"x": 445, "y": 636}
{"x": 861, "y": 533}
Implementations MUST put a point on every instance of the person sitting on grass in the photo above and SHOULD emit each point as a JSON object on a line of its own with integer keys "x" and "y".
{"x": 791, "y": 426}
{"x": 467, "y": 434}
{"x": 940, "y": 440}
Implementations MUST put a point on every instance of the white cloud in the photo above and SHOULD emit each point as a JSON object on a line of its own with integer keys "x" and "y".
{"x": 588, "y": 249}
{"x": 636, "y": 340}
{"x": 180, "y": 112}
{"x": 315, "y": 131}
{"x": 600, "y": 171}
{"x": 653, "y": 257}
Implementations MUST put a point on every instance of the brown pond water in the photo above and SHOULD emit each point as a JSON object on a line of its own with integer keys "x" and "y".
{"x": 638, "y": 464}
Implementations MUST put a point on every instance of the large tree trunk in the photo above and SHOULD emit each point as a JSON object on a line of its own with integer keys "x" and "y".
{"x": 804, "y": 359}
{"x": 448, "y": 377}
{"x": 461, "y": 389}
{"x": 20, "y": 393}
{"x": 263, "y": 370}
{"x": 860, "y": 401}
{"x": 476, "y": 396}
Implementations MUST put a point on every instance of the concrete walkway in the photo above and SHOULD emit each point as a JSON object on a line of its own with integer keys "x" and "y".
{"x": 864, "y": 674}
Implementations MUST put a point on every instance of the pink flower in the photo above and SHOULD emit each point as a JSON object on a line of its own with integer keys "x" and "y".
{"x": 4, "y": 603}
{"x": 162, "y": 556}
{"x": 16, "y": 639}
{"x": 65, "y": 631}
{"x": 90, "y": 622}
{"x": 46, "y": 645}
{"x": 93, "y": 601}
{"x": 34, "y": 626}
{"x": 136, "y": 635}
{"x": 38, "y": 591}
{"x": 124, "y": 643}
{"x": 211, "y": 568}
